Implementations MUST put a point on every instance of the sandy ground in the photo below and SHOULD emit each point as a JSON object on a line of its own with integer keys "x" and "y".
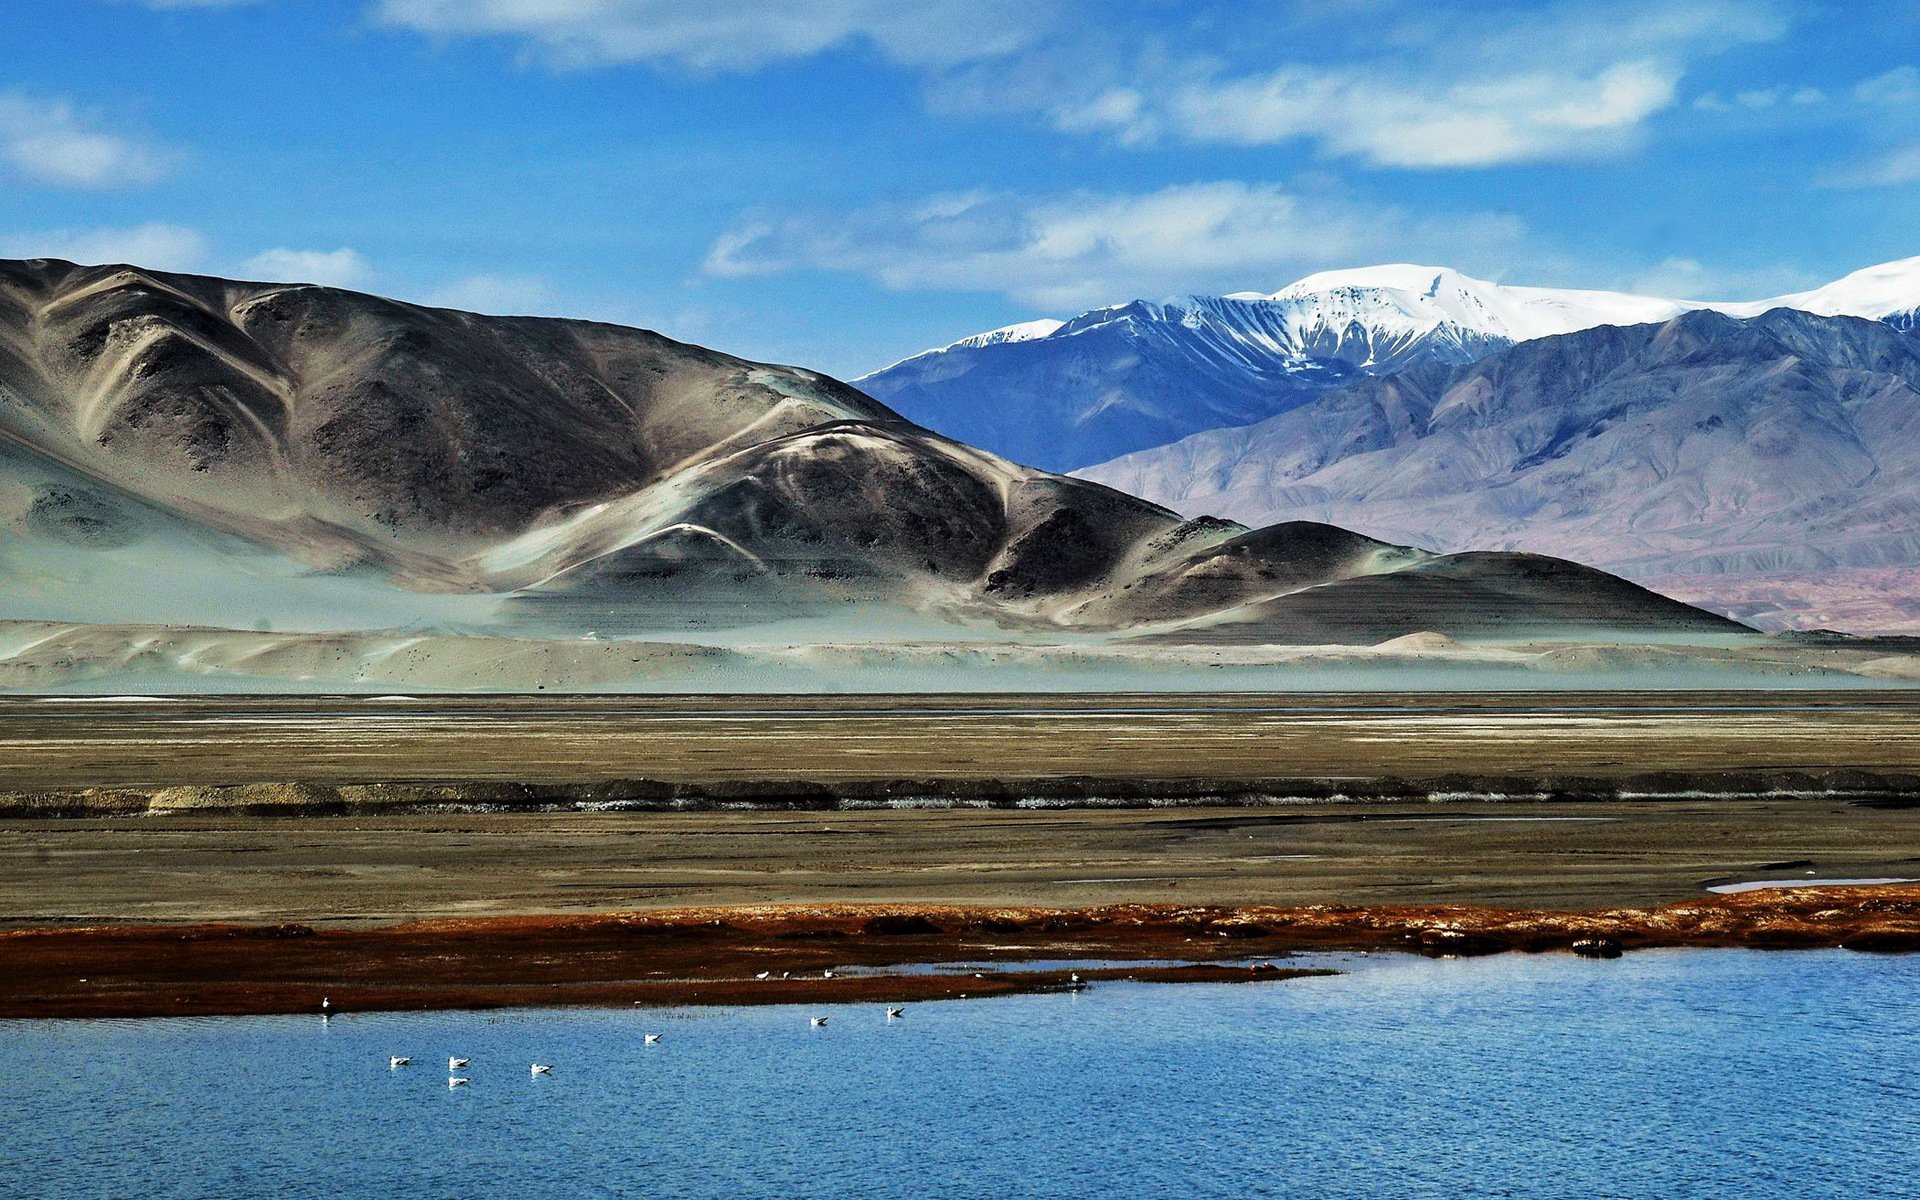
{"x": 195, "y": 906}
{"x": 938, "y": 739}
{"x": 359, "y": 870}
{"x": 1642, "y": 799}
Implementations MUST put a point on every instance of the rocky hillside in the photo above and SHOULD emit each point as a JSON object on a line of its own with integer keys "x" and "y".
{"x": 182, "y": 449}
{"x": 1769, "y": 466}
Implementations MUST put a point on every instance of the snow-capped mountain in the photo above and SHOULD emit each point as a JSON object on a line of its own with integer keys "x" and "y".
{"x": 1068, "y": 394}
{"x": 188, "y": 451}
{"x": 1424, "y": 302}
{"x": 1767, "y": 466}
{"x": 1889, "y": 292}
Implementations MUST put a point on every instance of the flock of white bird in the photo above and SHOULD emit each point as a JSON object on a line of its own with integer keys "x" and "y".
{"x": 456, "y": 1065}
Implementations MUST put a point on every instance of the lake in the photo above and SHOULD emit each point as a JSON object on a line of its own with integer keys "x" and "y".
{"x": 1664, "y": 1074}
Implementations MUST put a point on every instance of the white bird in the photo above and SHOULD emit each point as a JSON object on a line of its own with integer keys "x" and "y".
{"x": 764, "y": 975}
{"x": 456, "y": 1081}
{"x": 325, "y": 1001}
{"x": 1075, "y": 977}
{"x": 826, "y": 974}
{"x": 817, "y": 1021}
{"x": 786, "y": 974}
{"x": 652, "y": 1039}
{"x": 397, "y": 1061}
{"x": 454, "y": 1064}
{"x": 541, "y": 1069}
{"x": 896, "y": 1012}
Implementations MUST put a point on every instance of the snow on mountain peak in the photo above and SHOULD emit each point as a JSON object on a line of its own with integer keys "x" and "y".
{"x": 1023, "y": 331}
{"x": 1876, "y": 292}
{"x": 1122, "y": 378}
{"x": 1398, "y": 277}
{"x": 1442, "y": 295}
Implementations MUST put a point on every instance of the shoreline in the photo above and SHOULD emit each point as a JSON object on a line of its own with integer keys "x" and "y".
{"x": 1871, "y": 788}
{"x": 705, "y": 956}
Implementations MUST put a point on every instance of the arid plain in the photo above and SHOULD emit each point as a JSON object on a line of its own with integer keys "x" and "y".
{"x": 248, "y": 854}
{"x": 355, "y": 810}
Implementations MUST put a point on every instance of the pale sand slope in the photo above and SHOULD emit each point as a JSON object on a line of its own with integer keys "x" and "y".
{"x": 54, "y": 656}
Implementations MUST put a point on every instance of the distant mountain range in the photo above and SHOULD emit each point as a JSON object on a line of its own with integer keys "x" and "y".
{"x": 179, "y": 449}
{"x": 1767, "y": 466}
{"x": 1063, "y": 395}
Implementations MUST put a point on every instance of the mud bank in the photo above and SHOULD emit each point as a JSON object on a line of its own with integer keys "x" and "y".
{"x": 719, "y": 955}
{"x": 306, "y": 799}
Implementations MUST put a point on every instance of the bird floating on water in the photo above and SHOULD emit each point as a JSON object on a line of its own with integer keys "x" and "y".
{"x": 652, "y": 1039}
{"x": 826, "y": 974}
{"x": 326, "y": 1002}
{"x": 541, "y": 1069}
{"x": 817, "y": 1021}
{"x": 896, "y": 1012}
{"x": 764, "y": 975}
{"x": 454, "y": 1064}
{"x": 397, "y": 1060}
{"x": 456, "y": 1081}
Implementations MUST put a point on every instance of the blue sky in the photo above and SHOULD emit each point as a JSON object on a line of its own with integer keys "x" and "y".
{"x": 842, "y": 182}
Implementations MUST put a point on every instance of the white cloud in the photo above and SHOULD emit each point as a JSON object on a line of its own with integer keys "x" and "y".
{"x": 1455, "y": 85}
{"x": 1897, "y": 167}
{"x": 1690, "y": 279}
{"x": 1403, "y": 123}
{"x": 1081, "y": 249}
{"x": 499, "y": 294}
{"x": 345, "y": 267}
{"x": 159, "y": 246}
{"x": 726, "y": 35}
{"x": 47, "y": 141}
{"x": 1762, "y": 98}
{"x": 1898, "y": 86}
{"x": 1437, "y": 83}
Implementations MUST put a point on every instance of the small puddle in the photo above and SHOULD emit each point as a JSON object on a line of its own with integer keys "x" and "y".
{"x": 1755, "y": 885}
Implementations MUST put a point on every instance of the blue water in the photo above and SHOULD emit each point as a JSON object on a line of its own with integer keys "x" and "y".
{"x": 1670, "y": 1074}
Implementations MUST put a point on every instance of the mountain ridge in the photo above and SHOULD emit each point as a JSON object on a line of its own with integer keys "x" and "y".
{"x": 190, "y": 450}
{"x": 1781, "y": 448}
{"x": 1069, "y": 394}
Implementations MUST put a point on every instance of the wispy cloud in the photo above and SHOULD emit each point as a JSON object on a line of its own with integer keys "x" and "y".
{"x": 345, "y": 267}
{"x": 1081, "y": 249}
{"x": 1392, "y": 83}
{"x": 726, "y": 35}
{"x": 49, "y": 141}
{"x": 1457, "y": 85}
{"x": 164, "y": 5}
{"x": 1896, "y": 167}
{"x": 1760, "y": 99}
{"x": 1898, "y": 86}
{"x": 1886, "y": 103}
{"x": 500, "y": 294}
{"x": 159, "y": 246}
{"x": 1690, "y": 279}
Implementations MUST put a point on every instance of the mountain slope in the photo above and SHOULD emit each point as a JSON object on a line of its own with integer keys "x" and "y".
{"x": 1063, "y": 395}
{"x": 179, "y": 449}
{"x": 1738, "y": 459}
